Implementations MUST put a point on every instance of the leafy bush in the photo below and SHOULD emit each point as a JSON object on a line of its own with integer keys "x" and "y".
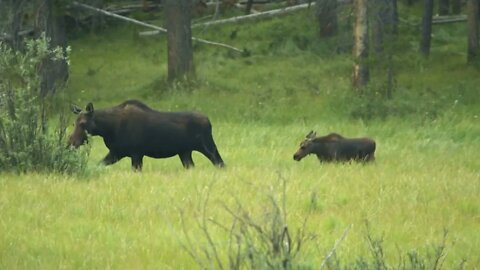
{"x": 26, "y": 143}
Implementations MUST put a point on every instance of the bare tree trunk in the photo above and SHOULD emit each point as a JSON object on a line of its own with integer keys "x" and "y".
{"x": 98, "y": 20}
{"x": 360, "y": 47}
{"x": 13, "y": 11}
{"x": 16, "y": 9}
{"x": 394, "y": 17}
{"x": 456, "y": 6}
{"x": 179, "y": 39}
{"x": 383, "y": 34}
{"x": 327, "y": 17}
{"x": 426, "y": 28}
{"x": 472, "y": 10}
{"x": 49, "y": 21}
{"x": 443, "y": 7}
{"x": 248, "y": 6}
{"x": 381, "y": 19}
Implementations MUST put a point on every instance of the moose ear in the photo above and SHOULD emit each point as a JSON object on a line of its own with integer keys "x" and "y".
{"x": 89, "y": 107}
{"x": 76, "y": 109}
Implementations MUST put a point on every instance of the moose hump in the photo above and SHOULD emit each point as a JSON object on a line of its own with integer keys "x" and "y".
{"x": 133, "y": 129}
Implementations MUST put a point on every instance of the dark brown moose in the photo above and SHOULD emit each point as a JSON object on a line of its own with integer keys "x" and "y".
{"x": 335, "y": 147}
{"x": 132, "y": 129}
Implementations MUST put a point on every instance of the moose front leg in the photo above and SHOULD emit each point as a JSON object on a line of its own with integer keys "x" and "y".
{"x": 187, "y": 160}
{"x": 110, "y": 159}
{"x": 137, "y": 162}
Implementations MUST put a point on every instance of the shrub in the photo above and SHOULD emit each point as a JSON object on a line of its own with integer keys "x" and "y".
{"x": 433, "y": 258}
{"x": 26, "y": 142}
{"x": 264, "y": 242}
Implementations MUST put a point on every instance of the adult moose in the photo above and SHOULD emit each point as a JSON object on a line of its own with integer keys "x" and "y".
{"x": 132, "y": 129}
{"x": 335, "y": 147}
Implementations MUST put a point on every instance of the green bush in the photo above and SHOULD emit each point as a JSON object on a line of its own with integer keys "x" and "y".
{"x": 26, "y": 143}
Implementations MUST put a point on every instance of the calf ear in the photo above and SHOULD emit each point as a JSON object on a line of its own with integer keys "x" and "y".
{"x": 311, "y": 134}
{"x": 89, "y": 107}
{"x": 76, "y": 109}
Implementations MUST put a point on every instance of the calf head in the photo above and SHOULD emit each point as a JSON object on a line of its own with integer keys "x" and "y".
{"x": 83, "y": 124}
{"x": 306, "y": 146}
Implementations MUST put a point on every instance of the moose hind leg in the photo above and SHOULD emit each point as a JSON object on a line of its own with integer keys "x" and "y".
{"x": 187, "y": 160}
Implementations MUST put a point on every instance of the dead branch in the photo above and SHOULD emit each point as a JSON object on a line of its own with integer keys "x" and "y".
{"x": 204, "y": 227}
{"x": 334, "y": 249}
{"x": 265, "y": 14}
{"x": 157, "y": 28}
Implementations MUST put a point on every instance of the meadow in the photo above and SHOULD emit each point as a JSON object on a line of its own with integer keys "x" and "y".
{"x": 425, "y": 179}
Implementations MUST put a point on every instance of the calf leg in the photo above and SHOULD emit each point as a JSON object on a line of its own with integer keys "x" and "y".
{"x": 110, "y": 159}
{"x": 214, "y": 157}
{"x": 187, "y": 160}
{"x": 137, "y": 162}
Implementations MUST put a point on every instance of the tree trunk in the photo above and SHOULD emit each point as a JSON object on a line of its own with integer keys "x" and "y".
{"x": 248, "y": 6}
{"x": 360, "y": 47}
{"x": 179, "y": 39}
{"x": 426, "y": 28}
{"x": 381, "y": 20}
{"x": 327, "y": 17}
{"x": 383, "y": 34}
{"x": 443, "y": 7}
{"x": 456, "y": 6}
{"x": 48, "y": 20}
{"x": 12, "y": 10}
{"x": 394, "y": 17}
{"x": 472, "y": 11}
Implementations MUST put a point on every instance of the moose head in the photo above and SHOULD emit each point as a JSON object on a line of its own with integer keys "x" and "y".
{"x": 83, "y": 125}
{"x": 305, "y": 146}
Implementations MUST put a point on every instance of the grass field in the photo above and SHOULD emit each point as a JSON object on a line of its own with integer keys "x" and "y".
{"x": 426, "y": 177}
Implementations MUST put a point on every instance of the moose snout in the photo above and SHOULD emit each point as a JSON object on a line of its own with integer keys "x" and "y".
{"x": 72, "y": 143}
{"x": 76, "y": 141}
{"x": 297, "y": 157}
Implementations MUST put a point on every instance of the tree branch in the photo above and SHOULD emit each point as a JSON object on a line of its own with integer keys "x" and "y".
{"x": 157, "y": 28}
{"x": 334, "y": 249}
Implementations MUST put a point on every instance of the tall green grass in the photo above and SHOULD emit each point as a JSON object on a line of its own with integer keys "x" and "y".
{"x": 425, "y": 179}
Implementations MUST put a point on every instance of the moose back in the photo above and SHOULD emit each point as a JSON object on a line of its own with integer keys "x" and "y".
{"x": 132, "y": 129}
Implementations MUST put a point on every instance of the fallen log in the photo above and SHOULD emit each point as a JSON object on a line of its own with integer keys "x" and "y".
{"x": 265, "y": 14}
{"x": 449, "y": 19}
{"x": 7, "y": 36}
{"x": 157, "y": 28}
{"x": 259, "y": 15}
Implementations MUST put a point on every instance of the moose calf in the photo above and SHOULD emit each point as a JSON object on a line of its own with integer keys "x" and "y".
{"x": 335, "y": 147}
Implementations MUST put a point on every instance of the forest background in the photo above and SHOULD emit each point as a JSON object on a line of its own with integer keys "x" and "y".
{"x": 417, "y": 204}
